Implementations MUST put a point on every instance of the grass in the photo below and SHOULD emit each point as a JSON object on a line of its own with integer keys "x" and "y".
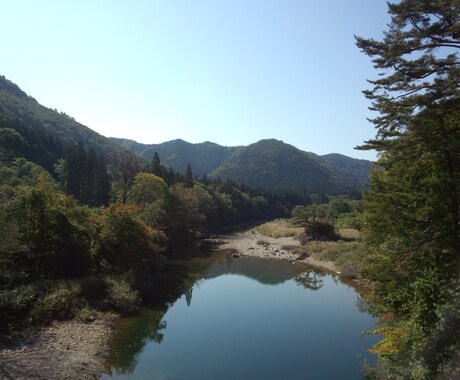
{"x": 280, "y": 228}
{"x": 263, "y": 242}
{"x": 346, "y": 255}
{"x": 349, "y": 234}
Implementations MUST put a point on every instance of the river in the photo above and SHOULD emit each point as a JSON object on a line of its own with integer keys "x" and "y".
{"x": 247, "y": 318}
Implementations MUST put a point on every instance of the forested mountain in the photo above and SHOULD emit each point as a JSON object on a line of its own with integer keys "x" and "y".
{"x": 354, "y": 171}
{"x": 46, "y": 134}
{"x": 203, "y": 157}
{"x": 267, "y": 163}
{"x": 274, "y": 164}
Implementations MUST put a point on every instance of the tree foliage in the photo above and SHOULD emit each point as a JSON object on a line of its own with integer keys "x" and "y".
{"x": 411, "y": 222}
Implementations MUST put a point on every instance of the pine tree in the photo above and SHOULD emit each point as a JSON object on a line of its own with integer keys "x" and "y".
{"x": 188, "y": 179}
{"x": 412, "y": 208}
{"x": 155, "y": 165}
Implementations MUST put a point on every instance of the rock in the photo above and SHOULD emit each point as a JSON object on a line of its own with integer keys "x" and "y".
{"x": 235, "y": 255}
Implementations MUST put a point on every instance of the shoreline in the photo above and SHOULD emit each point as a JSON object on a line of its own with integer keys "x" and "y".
{"x": 70, "y": 349}
{"x": 245, "y": 244}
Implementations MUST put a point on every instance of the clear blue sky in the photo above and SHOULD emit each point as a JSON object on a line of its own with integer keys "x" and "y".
{"x": 231, "y": 72}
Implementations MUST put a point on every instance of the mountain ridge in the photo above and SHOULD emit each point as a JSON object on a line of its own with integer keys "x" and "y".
{"x": 267, "y": 163}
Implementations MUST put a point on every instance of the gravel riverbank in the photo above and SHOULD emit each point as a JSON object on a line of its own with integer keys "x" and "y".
{"x": 251, "y": 243}
{"x": 64, "y": 350}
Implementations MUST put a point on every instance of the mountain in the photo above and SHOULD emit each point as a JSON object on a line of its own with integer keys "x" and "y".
{"x": 354, "y": 171}
{"x": 273, "y": 164}
{"x": 46, "y": 133}
{"x": 203, "y": 157}
{"x": 267, "y": 163}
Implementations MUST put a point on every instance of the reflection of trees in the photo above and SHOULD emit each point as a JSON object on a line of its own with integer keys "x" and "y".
{"x": 188, "y": 296}
{"x": 310, "y": 279}
{"x": 131, "y": 338}
{"x": 362, "y": 304}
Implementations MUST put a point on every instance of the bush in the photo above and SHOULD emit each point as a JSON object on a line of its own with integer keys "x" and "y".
{"x": 60, "y": 303}
{"x": 263, "y": 242}
{"x": 93, "y": 289}
{"x": 321, "y": 230}
{"x": 121, "y": 296}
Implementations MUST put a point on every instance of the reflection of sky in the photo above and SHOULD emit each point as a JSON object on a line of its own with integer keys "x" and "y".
{"x": 238, "y": 328}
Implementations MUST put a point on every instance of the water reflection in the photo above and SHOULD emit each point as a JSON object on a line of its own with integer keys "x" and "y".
{"x": 310, "y": 279}
{"x": 133, "y": 334}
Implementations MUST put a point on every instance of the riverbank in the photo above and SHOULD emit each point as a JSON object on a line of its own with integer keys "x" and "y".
{"x": 65, "y": 350}
{"x": 253, "y": 244}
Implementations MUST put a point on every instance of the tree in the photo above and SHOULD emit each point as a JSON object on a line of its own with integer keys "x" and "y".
{"x": 125, "y": 168}
{"x": 84, "y": 176}
{"x": 155, "y": 165}
{"x": 418, "y": 62}
{"x": 411, "y": 214}
{"x": 126, "y": 243}
{"x": 188, "y": 179}
{"x": 151, "y": 194}
{"x": 313, "y": 219}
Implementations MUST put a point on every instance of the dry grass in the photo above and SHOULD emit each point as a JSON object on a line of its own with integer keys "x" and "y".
{"x": 349, "y": 233}
{"x": 346, "y": 255}
{"x": 280, "y": 228}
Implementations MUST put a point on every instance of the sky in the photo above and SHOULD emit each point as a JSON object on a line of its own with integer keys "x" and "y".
{"x": 231, "y": 72}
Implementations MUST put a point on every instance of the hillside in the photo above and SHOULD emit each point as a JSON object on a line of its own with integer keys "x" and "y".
{"x": 267, "y": 163}
{"x": 203, "y": 157}
{"x": 354, "y": 171}
{"x": 274, "y": 164}
{"x": 46, "y": 133}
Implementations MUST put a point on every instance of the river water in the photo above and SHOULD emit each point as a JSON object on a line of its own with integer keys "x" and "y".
{"x": 247, "y": 318}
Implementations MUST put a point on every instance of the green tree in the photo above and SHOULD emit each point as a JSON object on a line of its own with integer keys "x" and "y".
{"x": 411, "y": 219}
{"x": 126, "y": 244}
{"x": 155, "y": 165}
{"x": 418, "y": 62}
{"x": 314, "y": 220}
{"x": 123, "y": 171}
{"x": 188, "y": 178}
{"x": 151, "y": 194}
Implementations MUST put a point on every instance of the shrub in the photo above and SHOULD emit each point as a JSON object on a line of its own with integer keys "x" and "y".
{"x": 263, "y": 242}
{"x": 321, "y": 230}
{"x": 121, "y": 296}
{"x": 93, "y": 289}
{"x": 60, "y": 303}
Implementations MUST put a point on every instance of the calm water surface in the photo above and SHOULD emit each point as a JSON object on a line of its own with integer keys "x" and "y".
{"x": 247, "y": 319}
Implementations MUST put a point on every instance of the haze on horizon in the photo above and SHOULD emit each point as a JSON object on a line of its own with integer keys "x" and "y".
{"x": 231, "y": 73}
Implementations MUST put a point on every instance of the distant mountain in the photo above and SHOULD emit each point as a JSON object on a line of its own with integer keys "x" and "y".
{"x": 354, "y": 172}
{"x": 274, "y": 164}
{"x": 203, "y": 157}
{"x": 47, "y": 133}
{"x": 267, "y": 163}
